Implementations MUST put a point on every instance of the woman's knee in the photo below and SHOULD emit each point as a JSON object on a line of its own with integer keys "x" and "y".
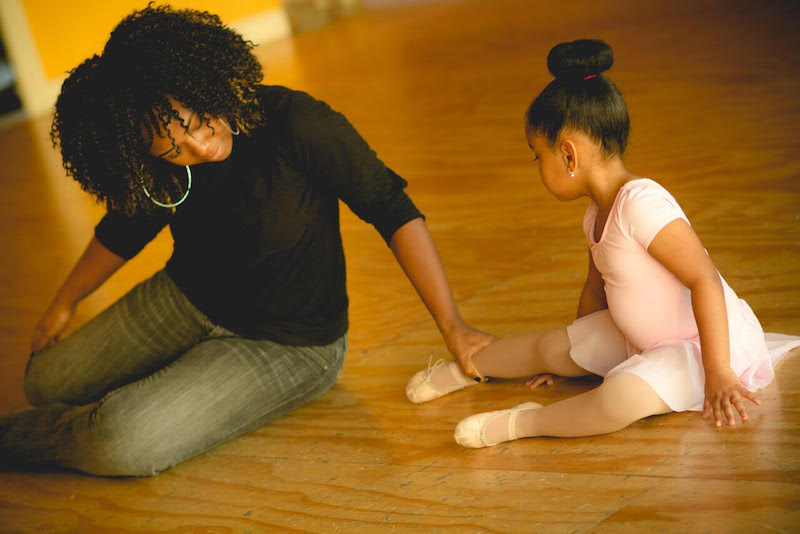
{"x": 38, "y": 386}
{"x": 51, "y": 377}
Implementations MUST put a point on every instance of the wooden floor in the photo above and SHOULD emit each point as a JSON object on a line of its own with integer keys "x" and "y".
{"x": 439, "y": 90}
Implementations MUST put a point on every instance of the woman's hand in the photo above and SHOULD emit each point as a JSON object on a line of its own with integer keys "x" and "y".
{"x": 546, "y": 379}
{"x": 50, "y": 326}
{"x": 463, "y": 341}
{"x": 93, "y": 268}
{"x": 416, "y": 253}
{"x": 724, "y": 393}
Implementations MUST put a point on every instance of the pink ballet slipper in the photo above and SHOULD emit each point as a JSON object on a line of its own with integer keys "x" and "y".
{"x": 471, "y": 431}
{"x": 422, "y": 388}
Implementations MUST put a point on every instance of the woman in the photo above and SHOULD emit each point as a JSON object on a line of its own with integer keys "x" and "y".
{"x": 248, "y": 320}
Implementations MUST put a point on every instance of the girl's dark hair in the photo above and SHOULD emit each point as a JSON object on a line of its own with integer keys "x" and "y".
{"x": 112, "y": 105}
{"x": 581, "y": 97}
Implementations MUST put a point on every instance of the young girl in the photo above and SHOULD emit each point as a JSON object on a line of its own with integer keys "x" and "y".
{"x": 655, "y": 318}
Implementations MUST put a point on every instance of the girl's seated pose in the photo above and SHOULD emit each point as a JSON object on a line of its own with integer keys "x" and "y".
{"x": 655, "y": 318}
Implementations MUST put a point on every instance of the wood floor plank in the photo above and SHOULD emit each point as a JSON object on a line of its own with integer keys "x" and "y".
{"x": 312, "y": 496}
{"x": 712, "y": 506}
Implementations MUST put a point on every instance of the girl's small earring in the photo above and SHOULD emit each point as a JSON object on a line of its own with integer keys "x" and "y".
{"x": 572, "y": 174}
{"x": 229, "y": 128}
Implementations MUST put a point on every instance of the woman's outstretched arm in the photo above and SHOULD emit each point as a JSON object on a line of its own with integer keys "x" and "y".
{"x": 95, "y": 265}
{"x": 413, "y": 246}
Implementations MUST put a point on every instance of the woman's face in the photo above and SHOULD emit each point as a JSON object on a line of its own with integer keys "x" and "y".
{"x": 201, "y": 141}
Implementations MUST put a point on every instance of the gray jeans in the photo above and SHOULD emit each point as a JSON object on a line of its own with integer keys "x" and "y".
{"x": 151, "y": 382}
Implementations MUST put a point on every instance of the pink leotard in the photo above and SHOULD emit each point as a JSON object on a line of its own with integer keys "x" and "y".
{"x": 651, "y": 311}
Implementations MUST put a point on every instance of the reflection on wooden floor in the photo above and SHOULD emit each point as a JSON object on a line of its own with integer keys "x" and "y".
{"x": 439, "y": 89}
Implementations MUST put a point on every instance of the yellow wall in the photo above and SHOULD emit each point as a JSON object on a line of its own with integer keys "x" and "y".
{"x": 45, "y": 39}
{"x": 66, "y": 32}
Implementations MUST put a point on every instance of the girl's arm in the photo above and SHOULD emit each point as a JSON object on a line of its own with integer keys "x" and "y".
{"x": 593, "y": 295}
{"x": 93, "y": 268}
{"x": 592, "y": 299}
{"x": 678, "y": 248}
{"x": 416, "y": 253}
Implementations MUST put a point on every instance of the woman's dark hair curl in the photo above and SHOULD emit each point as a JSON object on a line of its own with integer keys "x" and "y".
{"x": 581, "y": 98}
{"x": 112, "y": 105}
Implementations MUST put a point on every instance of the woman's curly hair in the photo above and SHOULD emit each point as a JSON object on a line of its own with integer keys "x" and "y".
{"x": 112, "y": 105}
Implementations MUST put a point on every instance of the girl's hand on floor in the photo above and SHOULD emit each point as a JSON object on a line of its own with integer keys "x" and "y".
{"x": 464, "y": 341}
{"x": 544, "y": 378}
{"x": 50, "y": 326}
{"x": 724, "y": 394}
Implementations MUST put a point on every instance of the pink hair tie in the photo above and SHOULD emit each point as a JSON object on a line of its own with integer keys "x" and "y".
{"x": 589, "y": 77}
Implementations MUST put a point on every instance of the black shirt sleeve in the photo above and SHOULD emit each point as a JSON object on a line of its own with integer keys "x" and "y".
{"x": 329, "y": 149}
{"x": 125, "y": 236}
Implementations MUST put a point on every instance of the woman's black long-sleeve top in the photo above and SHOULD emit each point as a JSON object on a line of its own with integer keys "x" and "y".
{"x": 257, "y": 246}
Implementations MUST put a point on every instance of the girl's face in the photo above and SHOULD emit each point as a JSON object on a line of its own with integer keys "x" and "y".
{"x": 554, "y": 168}
{"x": 201, "y": 141}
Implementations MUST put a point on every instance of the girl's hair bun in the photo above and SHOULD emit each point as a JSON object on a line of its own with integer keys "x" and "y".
{"x": 579, "y": 59}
